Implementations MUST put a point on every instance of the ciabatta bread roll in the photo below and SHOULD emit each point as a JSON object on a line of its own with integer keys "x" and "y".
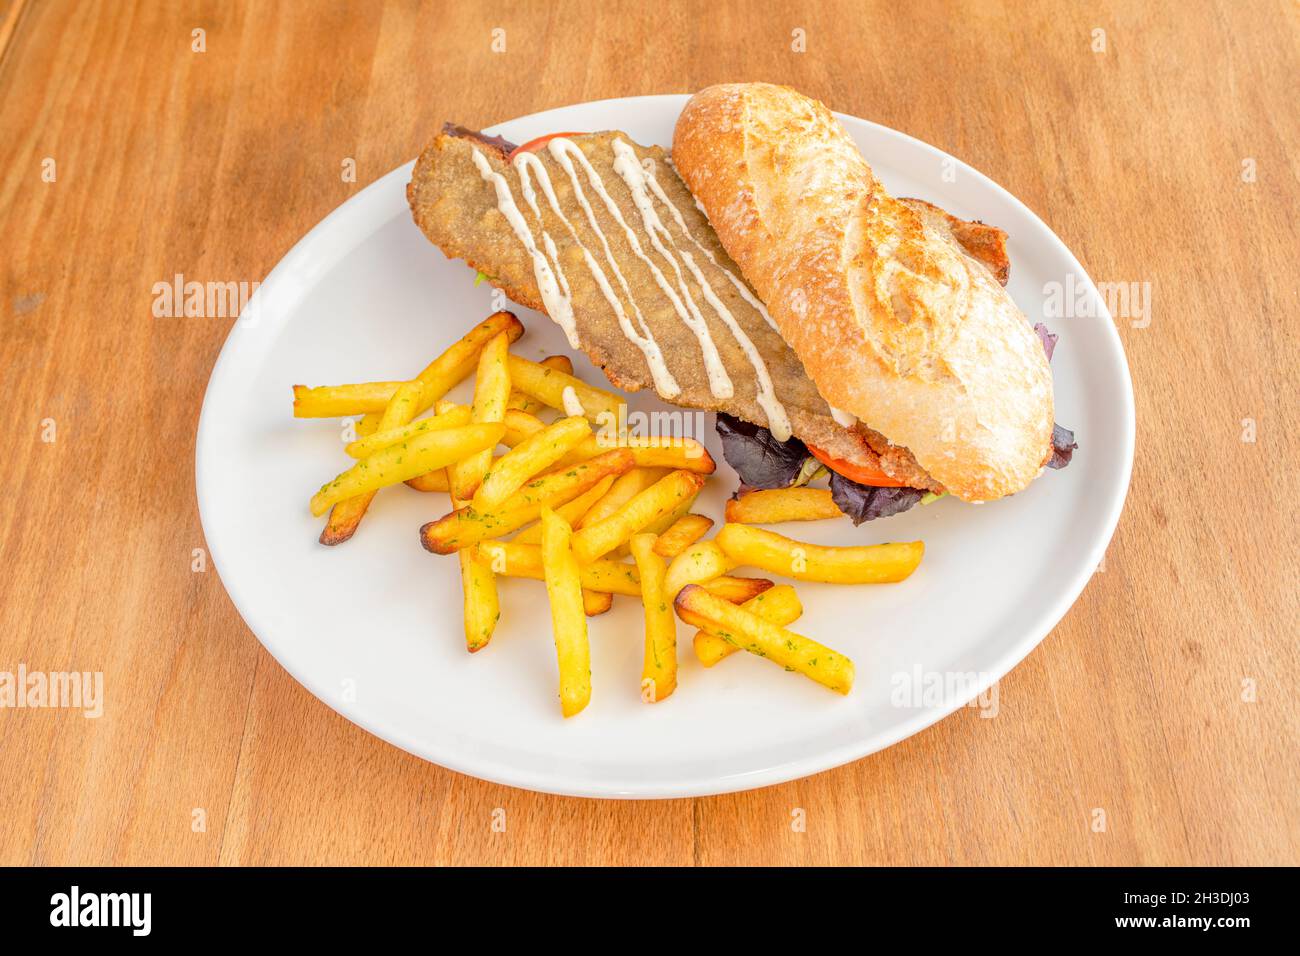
{"x": 893, "y": 320}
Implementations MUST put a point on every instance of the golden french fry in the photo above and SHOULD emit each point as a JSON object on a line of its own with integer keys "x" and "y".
{"x": 491, "y": 392}
{"x": 702, "y": 561}
{"x": 681, "y": 534}
{"x": 397, "y": 463}
{"x": 624, "y": 489}
{"x": 660, "y": 525}
{"x": 521, "y": 426}
{"x": 466, "y": 526}
{"x": 780, "y": 605}
{"x": 525, "y": 561}
{"x": 526, "y": 403}
{"x": 568, "y": 619}
{"x": 366, "y": 425}
{"x": 612, "y": 576}
{"x": 482, "y": 603}
{"x": 775, "y": 505}
{"x": 736, "y": 625}
{"x": 344, "y": 518}
{"x": 659, "y": 669}
{"x": 570, "y": 511}
{"x": 430, "y": 481}
{"x": 337, "y": 401}
{"x": 457, "y": 416}
{"x": 677, "y": 453}
{"x": 547, "y": 385}
{"x": 652, "y": 452}
{"x": 737, "y": 589}
{"x": 347, "y": 514}
{"x": 596, "y": 602}
{"x": 455, "y": 365}
{"x": 642, "y": 509}
{"x": 530, "y": 457}
{"x": 858, "y": 564}
{"x": 439, "y": 480}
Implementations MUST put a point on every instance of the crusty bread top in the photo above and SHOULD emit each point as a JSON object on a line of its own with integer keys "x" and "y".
{"x": 891, "y": 317}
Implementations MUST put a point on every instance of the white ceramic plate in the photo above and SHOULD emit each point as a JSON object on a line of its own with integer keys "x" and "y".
{"x": 373, "y": 627}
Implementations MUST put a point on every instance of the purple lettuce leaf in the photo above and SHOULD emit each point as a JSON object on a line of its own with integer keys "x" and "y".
{"x": 1048, "y": 338}
{"x": 759, "y": 459}
{"x": 865, "y": 503}
{"x": 1063, "y": 446}
{"x": 1063, "y": 443}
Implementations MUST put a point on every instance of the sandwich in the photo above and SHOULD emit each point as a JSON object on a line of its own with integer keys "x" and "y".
{"x": 761, "y": 272}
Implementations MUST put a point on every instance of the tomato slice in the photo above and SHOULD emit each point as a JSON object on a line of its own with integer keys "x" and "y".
{"x": 535, "y": 144}
{"x": 859, "y": 473}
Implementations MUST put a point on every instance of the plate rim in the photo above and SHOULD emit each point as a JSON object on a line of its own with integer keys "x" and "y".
{"x": 821, "y": 761}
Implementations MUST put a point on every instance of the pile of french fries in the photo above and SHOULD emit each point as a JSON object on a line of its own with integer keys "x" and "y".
{"x": 592, "y": 514}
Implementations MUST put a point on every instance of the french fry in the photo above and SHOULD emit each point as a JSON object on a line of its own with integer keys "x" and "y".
{"x": 624, "y": 490}
{"x": 702, "y": 561}
{"x": 644, "y": 507}
{"x": 626, "y": 487}
{"x": 430, "y": 481}
{"x": 612, "y": 576}
{"x": 570, "y": 511}
{"x": 491, "y": 392}
{"x": 344, "y": 518}
{"x": 530, "y": 457}
{"x": 652, "y": 452}
{"x": 338, "y": 401}
{"x": 596, "y": 602}
{"x": 482, "y": 602}
{"x": 346, "y": 515}
{"x": 780, "y": 605}
{"x": 516, "y": 560}
{"x": 568, "y": 619}
{"x": 659, "y": 668}
{"x": 737, "y": 589}
{"x": 366, "y": 425}
{"x": 438, "y": 378}
{"x": 656, "y": 527}
{"x": 742, "y": 627}
{"x": 547, "y": 385}
{"x": 466, "y": 526}
{"x": 526, "y": 403}
{"x": 457, "y": 363}
{"x": 681, "y": 534}
{"x": 397, "y": 463}
{"x": 772, "y": 506}
{"x": 520, "y": 426}
{"x": 457, "y": 416}
{"x": 660, "y": 525}
{"x": 440, "y": 480}
{"x": 685, "y": 454}
{"x": 859, "y": 564}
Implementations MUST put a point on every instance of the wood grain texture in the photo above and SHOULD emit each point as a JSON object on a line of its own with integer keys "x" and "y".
{"x": 213, "y": 164}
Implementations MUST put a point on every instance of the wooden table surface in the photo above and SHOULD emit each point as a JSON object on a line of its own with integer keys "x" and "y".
{"x": 1166, "y": 698}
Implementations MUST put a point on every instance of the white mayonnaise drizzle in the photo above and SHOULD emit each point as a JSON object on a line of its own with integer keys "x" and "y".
{"x": 572, "y": 404}
{"x": 554, "y": 286}
{"x": 664, "y": 382}
{"x": 843, "y": 418}
{"x": 555, "y": 295}
{"x": 628, "y": 166}
{"x": 719, "y": 382}
{"x": 681, "y": 224}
